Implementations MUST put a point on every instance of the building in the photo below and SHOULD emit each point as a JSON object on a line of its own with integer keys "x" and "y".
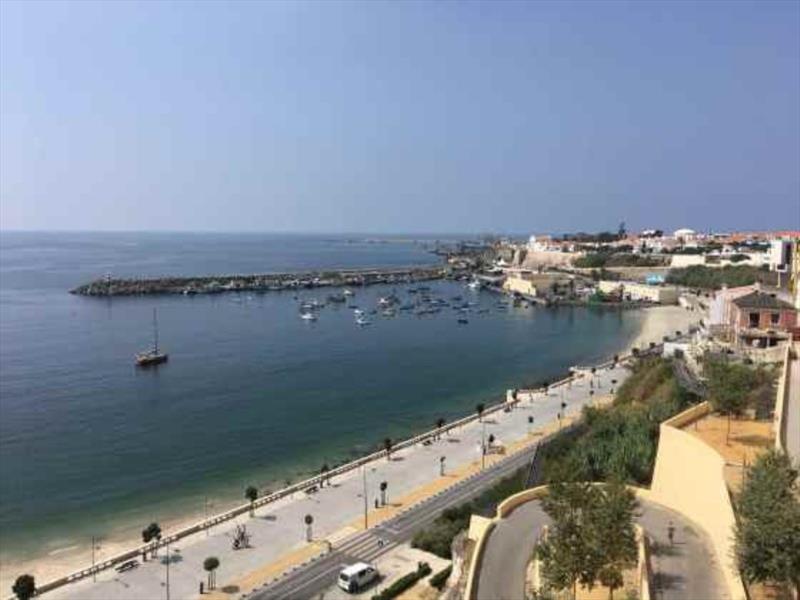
{"x": 780, "y": 255}
{"x": 640, "y": 292}
{"x": 533, "y": 284}
{"x": 720, "y": 306}
{"x": 761, "y": 320}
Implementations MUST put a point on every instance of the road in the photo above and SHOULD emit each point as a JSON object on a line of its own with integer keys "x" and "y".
{"x": 685, "y": 571}
{"x": 321, "y": 574}
{"x": 277, "y": 529}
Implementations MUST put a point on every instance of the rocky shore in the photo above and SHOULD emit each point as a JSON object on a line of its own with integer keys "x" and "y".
{"x": 266, "y": 282}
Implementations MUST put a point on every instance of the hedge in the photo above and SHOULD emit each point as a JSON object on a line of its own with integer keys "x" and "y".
{"x": 438, "y": 581}
{"x": 405, "y": 582}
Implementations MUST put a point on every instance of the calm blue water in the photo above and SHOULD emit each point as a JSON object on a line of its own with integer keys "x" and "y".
{"x": 251, "y": 394}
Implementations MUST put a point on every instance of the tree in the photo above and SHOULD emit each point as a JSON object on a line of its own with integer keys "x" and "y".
{"x": 324, "y": 474}
{"x": 616, "y": 534}
{"x": 210, "y": 565}
{"x": 729, "y": 387}
{"x": 439, "y": 424}
{"x": 387, "y": 445}
{"x": 24, "y": 587}
{"x": 152, "y": 534}
{"x": 568, "y": 554}
{"x": 383, "y": 487}
{"x": 251, "y": 493}
{"x": 479, "y": 409}
{"x": 767, "y": 533}
{"x": 309, "y": 521}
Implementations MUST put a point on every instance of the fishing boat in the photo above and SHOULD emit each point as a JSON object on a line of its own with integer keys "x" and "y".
{"x": 463, "y": 321}
{"x": 308, "y": 316}
{"x": 349, "y": 292}
{"x": 154, "y": 356}
{"x": 362, "y": 322}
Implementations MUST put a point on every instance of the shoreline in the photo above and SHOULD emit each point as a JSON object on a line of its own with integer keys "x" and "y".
{"x": 72, "y": 558}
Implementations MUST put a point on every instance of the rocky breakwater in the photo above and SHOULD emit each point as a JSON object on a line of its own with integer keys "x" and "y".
{"x": 267, "y": 282}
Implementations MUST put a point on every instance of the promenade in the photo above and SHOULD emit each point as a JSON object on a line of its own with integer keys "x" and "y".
{"x": 278, "y": 531}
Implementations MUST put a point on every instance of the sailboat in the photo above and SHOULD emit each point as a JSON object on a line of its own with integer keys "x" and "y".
{"x": 153, "y": 356}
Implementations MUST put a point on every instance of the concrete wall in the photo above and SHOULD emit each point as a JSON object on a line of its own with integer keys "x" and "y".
{"x": 687, "y": 260}
{"x": 689, "y": 478}
{"x": 520, "y": 286}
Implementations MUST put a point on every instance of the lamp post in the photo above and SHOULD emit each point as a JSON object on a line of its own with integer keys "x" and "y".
{"x": 95, "y": 546}
{"x": 365, "y": 497}
{"x": 483, "y": 446}
{"x": 167, "y": 561}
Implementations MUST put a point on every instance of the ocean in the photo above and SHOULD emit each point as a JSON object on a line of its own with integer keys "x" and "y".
{"x": 252, "y": 394}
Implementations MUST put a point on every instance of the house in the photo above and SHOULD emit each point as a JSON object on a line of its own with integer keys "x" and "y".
{"x": 640, "y": 292}
{"x": 761, "y": 320}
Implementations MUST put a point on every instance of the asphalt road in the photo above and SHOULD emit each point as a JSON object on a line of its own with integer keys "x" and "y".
{"x": 686, "y": 570}
{"x": 313, "y": 579}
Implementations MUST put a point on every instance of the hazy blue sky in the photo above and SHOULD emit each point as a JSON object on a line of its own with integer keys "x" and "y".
{"x": 404, "y": 116}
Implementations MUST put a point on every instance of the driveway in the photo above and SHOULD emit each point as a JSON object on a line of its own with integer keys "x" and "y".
{"x": 687, "y": 570}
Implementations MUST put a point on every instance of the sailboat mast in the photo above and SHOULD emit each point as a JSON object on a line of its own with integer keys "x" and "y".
{"x": 155, "y": 332}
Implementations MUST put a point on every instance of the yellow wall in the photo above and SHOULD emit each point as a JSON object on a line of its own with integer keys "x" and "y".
{"x": 520, "y": 285}
{"x": 689, "y": 478}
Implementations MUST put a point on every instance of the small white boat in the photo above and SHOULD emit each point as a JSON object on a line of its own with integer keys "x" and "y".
{"x": 308, "y": 316}
{"x": 362, "y": 322}
{"x": 349, "y": 293}
{"x": 474, "y": 284}
{"x": 358, "y": 312}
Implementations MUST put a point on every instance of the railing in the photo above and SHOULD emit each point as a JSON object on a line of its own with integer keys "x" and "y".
{"x": 300, "y": 487}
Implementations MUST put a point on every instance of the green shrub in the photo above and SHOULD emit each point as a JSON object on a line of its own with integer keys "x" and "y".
{"x": 438, "y": 537}
{"x": 405, "y": 582}
{"x": 440, "y": 579}
{"x": 713, "y": 278}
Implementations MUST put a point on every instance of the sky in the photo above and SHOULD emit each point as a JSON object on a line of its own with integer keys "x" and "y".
{"x": 399, "y": 116}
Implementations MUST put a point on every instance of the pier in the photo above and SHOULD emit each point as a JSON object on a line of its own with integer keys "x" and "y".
{"x": 215, "y": 284}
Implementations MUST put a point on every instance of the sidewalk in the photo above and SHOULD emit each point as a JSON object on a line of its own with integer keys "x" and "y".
{"x": 278, "y": 530}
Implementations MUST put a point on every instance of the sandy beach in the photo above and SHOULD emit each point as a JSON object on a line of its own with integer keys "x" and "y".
{"x": 657, "y": 322}
{"x": 663, "y": 320}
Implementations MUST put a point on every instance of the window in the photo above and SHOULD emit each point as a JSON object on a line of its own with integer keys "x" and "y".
{"x": 754, "y": 319}
{"x": 775, "y": 318}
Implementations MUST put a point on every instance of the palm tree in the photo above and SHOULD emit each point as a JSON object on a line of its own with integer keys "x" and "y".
{"x": 251, "y": 493}
{"x": 210, "y": 565}
{"x": 387, "y": 445}
{"x": 491, "y": 439}
{"x": 323, "y": 471}
{"x": 24, "y": 587}
{"x": 383, "y": 487}
{"x": 151, "y": 534}
{"x": 439, "y": 424}
{"x": 479, "y": 409}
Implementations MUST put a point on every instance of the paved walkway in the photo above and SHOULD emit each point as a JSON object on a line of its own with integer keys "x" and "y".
{"x": 685, "y": 571}
{"x": 278, "y": 532}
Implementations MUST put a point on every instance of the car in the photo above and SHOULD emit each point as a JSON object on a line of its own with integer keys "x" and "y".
{"x": 127, "y": 566}
{"x": 356, "y": 577}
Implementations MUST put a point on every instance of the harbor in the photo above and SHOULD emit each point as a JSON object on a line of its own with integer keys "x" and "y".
{"x": 269, "y": 282}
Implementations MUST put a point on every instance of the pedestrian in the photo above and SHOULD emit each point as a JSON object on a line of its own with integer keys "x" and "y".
{"x": 671, "y": 533}
{"x": 376, "y": 503}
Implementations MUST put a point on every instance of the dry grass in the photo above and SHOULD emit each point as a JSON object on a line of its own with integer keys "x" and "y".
{"x": 748, "y": 438}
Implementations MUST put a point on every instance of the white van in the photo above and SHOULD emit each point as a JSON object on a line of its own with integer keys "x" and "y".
{"x": 357, "y": 576}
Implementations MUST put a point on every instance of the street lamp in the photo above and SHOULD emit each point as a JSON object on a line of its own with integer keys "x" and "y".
{"x": 483, "y": 446}
{"x": 95, "y": 546}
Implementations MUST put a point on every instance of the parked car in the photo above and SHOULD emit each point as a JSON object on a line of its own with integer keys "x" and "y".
{"x": 357, "y": 577}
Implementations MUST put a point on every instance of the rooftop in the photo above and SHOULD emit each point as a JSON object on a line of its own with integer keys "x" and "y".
{"x": 761, "y": 300}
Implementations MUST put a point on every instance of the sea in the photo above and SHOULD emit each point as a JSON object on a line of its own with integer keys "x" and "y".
{"x": 252, "y": 394}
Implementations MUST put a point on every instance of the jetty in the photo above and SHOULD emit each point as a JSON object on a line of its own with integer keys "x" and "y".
{"x": 216, "y": 284}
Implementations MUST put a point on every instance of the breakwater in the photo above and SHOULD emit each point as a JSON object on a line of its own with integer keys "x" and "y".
{"x": 215, "y": 284}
